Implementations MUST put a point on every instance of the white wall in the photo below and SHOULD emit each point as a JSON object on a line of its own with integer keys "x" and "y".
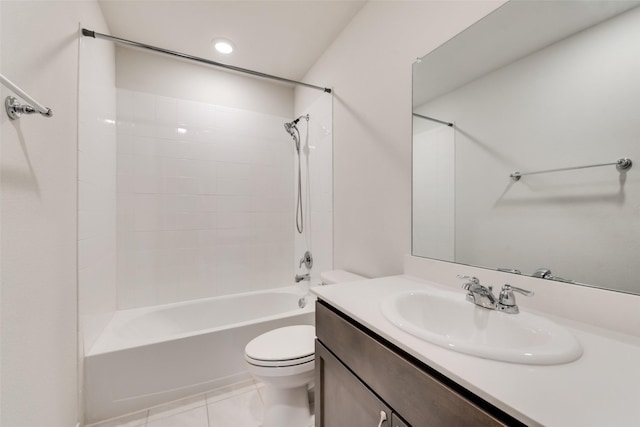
{"x": 155, "y": 73}
{"x": 96, "y": 189}
{"x": 39, "y": 51}
{"x": 369, "y": 67}
{"x": 570, "y": 104}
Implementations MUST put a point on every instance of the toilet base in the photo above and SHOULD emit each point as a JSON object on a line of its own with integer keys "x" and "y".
{"x": 287, "y": 407}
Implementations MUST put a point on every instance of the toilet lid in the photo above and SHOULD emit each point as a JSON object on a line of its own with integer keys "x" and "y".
{"x": 282, "y": 363}
{"x": 288, "y": 343}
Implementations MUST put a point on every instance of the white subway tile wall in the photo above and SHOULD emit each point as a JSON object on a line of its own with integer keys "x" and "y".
{"x": 204, "y": 200}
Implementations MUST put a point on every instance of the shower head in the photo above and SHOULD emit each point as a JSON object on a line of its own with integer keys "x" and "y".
{"x": 292, "y": 125}
{"x": 292, "y": 130}
{"x": 289, "y": 127}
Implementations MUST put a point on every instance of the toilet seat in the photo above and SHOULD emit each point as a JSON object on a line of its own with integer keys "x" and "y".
{"x": 282, "y": 347}
{"x": 280, "y": 363}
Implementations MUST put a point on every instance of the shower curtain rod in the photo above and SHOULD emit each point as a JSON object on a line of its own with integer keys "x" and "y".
{"x": 96, "y": 35}
{"x": 433, "y": 120}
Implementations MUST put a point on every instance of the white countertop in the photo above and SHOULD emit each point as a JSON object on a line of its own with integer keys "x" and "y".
{"x": 601, "y": 388}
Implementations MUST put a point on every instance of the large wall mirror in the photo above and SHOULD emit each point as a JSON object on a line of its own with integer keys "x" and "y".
{"x": 526, "y": 144}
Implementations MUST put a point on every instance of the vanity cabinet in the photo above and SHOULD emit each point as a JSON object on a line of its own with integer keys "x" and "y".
{"x": 359, "y": 375}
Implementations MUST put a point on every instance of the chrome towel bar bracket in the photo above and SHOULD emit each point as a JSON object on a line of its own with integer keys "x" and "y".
{"x": 15, "y": 110}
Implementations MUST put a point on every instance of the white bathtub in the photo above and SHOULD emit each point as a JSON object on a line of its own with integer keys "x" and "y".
{"x": 153, "y": 355}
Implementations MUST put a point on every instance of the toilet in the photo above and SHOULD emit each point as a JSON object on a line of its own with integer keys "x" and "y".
{"x": 284, "y": 360}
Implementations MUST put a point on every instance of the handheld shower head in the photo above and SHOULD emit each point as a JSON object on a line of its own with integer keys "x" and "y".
{"x": 289, "y": 127}
{"x": 292, "y": 130}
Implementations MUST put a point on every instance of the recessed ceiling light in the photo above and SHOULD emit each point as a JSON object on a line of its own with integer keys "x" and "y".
{"x": 223, "y": 46}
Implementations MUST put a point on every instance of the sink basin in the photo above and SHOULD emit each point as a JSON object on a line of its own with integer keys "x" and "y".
{"x": 448, "y": 320}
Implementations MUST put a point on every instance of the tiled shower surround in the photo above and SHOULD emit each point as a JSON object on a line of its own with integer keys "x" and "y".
{"x": 205, "y": 200}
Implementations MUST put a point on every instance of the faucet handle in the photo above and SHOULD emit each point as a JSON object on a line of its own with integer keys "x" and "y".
{"x": 509, "y": 270}
{"x": 525, "y": 292}
{"x": 542, "y": 273}
{"x": 307, "y": 260}
{"x": 506, "y": 294}
{"x": 472, "y": 280}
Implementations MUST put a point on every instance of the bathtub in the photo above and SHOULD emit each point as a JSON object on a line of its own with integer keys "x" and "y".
{"x": 153, "y": 355}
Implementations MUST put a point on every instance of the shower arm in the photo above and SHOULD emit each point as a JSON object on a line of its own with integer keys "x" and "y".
{"x": 295, "y": 122}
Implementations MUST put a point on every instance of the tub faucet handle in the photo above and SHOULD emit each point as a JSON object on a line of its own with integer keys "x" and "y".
{"x": 307, "y": 260}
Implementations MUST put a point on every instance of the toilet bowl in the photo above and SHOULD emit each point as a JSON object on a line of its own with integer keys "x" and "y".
{"x": 283, "y": 359}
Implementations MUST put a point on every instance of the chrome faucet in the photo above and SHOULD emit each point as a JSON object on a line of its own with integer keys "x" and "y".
{"x": 483, "y": 296}
{"x": 478, "y": 294}
{"x": 542, "y": 273}
{"x": 545, "y": 273}
{"x": 301, "y": 277}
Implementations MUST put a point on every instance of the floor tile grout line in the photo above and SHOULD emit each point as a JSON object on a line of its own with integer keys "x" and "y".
{"x": 248, "y": 387}
{"x": 233, "y": 394}
{"x": 257, "y": 386}
{"x": 178, "y": 410}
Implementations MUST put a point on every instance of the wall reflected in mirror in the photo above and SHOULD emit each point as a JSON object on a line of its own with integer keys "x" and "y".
{"x": 534, "y": 86}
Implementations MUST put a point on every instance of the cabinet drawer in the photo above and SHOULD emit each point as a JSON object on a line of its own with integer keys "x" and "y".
{"x": 410, "y": 390}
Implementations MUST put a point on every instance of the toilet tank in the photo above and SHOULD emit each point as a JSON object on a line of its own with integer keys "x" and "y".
{"x": 339, "y": 276}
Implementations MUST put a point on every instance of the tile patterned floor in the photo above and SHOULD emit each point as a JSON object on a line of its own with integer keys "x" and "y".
{"x": 238, "y": 405}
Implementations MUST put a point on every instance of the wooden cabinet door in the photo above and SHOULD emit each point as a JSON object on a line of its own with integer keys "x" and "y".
{"x": 341, "y": 399}
{"x": 396, "y": 421}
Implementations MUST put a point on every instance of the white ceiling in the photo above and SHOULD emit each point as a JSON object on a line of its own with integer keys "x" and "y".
{"x": 283, "y": 38}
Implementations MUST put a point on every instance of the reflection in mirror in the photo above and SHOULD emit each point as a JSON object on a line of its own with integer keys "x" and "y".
{"x": 535, "y": 86}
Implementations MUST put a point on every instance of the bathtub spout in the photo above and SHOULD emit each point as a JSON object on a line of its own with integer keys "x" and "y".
{"x": 301, "y": 277}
